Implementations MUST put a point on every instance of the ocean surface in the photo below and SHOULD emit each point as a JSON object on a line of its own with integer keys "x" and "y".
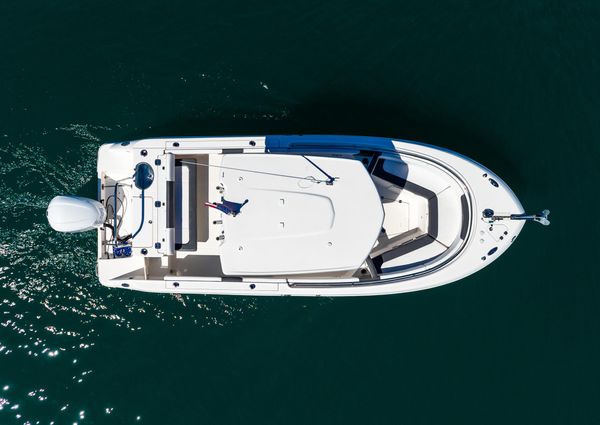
{"x": 514, "y": 85}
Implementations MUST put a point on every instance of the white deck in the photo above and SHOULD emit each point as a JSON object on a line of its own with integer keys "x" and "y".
{"x": 295, "y": 225}
{"x": 456, "y": 191}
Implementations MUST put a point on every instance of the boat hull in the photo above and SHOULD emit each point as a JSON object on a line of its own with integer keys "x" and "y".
{"x": 480, "y": 242}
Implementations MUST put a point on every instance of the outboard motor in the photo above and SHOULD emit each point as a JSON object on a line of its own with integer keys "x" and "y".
{"x": 73, "y": 214}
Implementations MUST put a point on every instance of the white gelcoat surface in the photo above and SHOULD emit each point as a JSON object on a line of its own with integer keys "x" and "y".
{"x": 293, "y": 225}
{"x": 462, "y": 258}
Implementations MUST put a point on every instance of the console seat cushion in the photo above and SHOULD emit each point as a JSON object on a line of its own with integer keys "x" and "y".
{"x": 449, "y": 216}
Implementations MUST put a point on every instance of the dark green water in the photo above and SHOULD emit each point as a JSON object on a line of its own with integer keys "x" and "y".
{"x": 515, "y": 85}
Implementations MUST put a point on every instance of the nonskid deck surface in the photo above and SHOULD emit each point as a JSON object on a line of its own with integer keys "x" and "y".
{"x": 424, "y": 213}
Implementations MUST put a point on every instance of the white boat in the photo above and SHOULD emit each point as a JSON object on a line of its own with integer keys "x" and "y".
{"x": 291, "y": 215}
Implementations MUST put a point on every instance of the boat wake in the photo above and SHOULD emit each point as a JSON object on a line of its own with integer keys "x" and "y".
{"x": 53, "y": 311}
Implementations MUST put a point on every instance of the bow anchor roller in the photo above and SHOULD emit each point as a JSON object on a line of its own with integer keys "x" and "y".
{"x": 541, "y": 217}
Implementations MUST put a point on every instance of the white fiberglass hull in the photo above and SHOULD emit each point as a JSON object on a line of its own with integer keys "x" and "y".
{"x": 433, "y": 201}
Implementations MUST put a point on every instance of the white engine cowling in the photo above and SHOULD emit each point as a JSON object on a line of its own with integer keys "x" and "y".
{"x": 75, "y": 214}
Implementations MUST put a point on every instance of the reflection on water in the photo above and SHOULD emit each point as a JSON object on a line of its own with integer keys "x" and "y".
{"x": 63, "y": 334}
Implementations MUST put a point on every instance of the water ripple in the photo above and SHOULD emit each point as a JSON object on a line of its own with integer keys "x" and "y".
{"x": 56, "y": 320}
